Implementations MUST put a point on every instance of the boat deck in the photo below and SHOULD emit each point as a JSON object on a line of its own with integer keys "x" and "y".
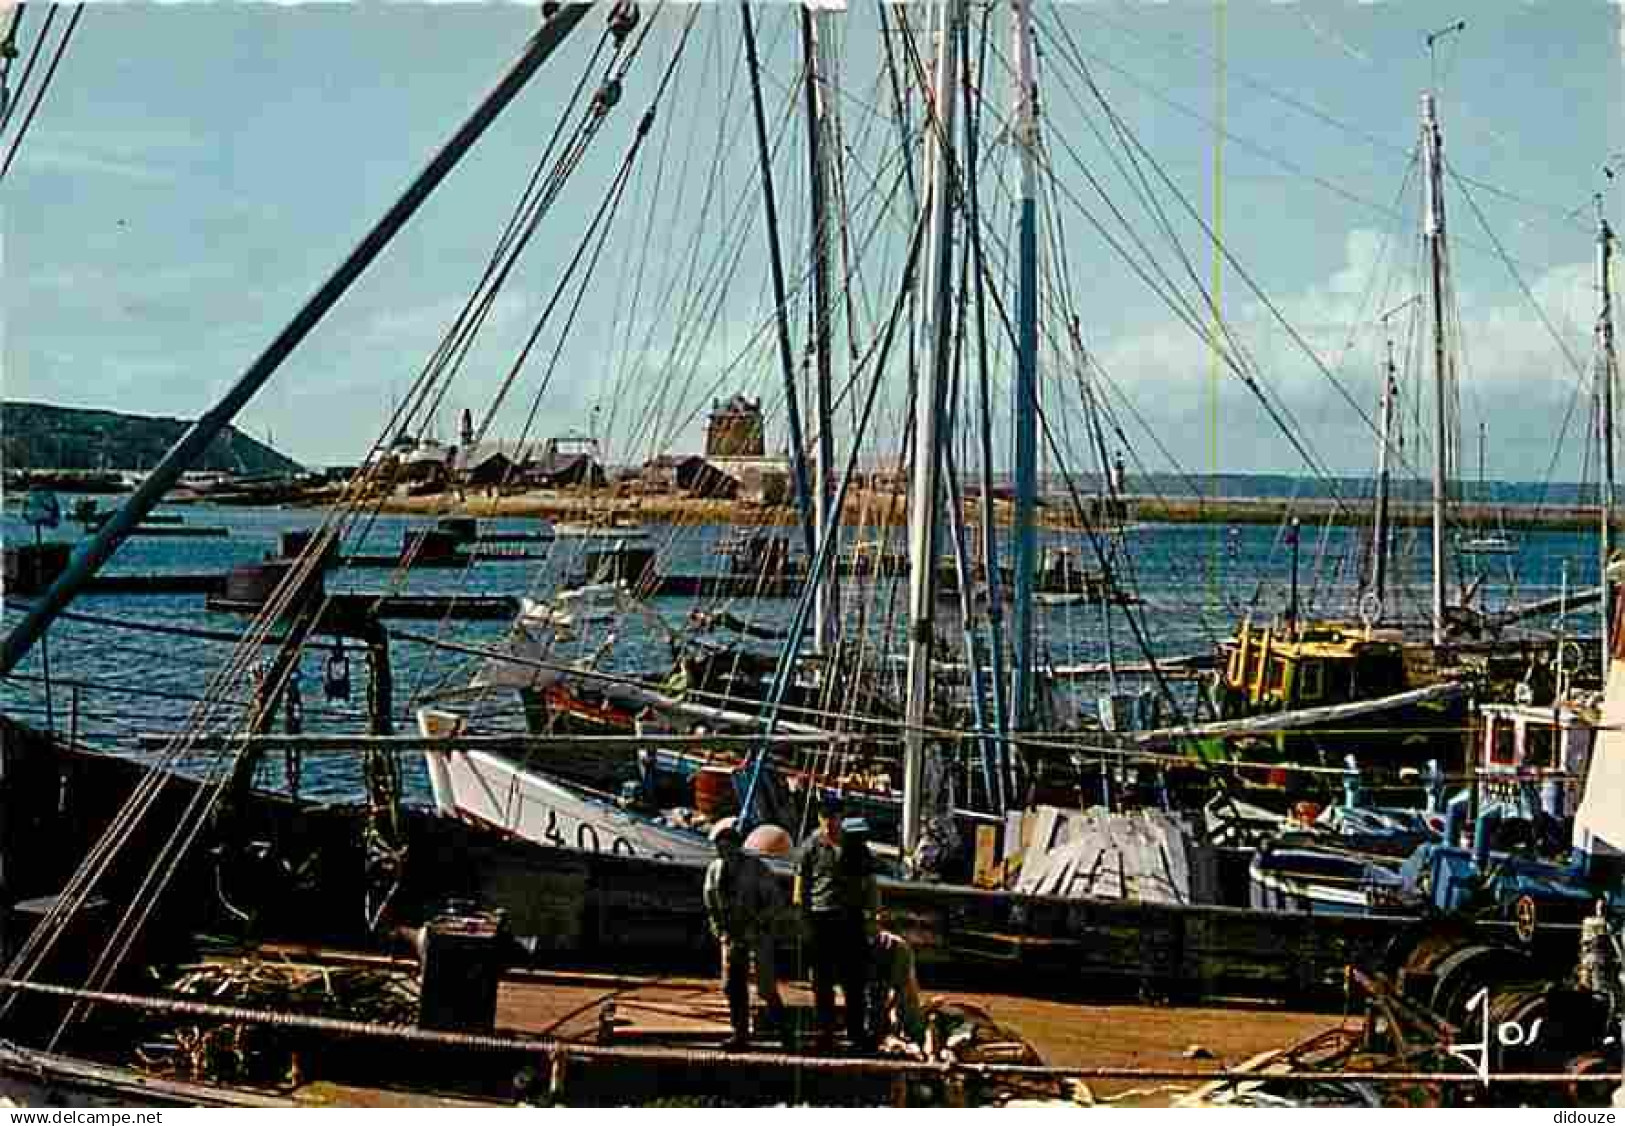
{"x": 631, "y": 1039}
{"x": 689, "y": 1014}
{"x": 691, "y": 1011}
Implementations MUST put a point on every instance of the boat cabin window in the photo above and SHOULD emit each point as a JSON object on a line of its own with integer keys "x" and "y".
{"x": 1255, "y": 671}
{"x": 1339, "y": 681}
{"x": 1312, "y": 681}
{"x": 1379, "y": 674}
{"x": 1539, "y": 743}
{"x": 1503, "y": 743}
{"x": 1279, "y": 675}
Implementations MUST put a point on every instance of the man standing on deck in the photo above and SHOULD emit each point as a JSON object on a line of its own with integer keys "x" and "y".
{"x": 740, "y": 902}
{"x": 836, "y": 891}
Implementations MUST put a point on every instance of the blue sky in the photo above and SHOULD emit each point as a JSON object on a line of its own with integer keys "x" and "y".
{"x": 198, "y": 169}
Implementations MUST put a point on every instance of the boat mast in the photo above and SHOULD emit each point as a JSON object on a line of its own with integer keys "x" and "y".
{"x": 1026, "y": 382}
{"x": 792, "y": 408}
{"x": 827, "y": 595}
{"x": 922, "y": 516}
{"x": 1106, "y": 499}
{"x": 1432, "y": 146}
{"x": 89, "y": 558}
{"x": 1605, "y": 415}
{"x": 1004, "y": 780}
{"x": 1379, "y": 534}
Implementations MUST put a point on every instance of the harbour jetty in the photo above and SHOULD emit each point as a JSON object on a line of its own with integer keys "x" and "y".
{"x": 888, "y": 509}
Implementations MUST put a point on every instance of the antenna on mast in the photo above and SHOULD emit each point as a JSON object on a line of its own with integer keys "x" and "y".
{"x": 1387, "y": 330}
{"x": 1433, "y": 57}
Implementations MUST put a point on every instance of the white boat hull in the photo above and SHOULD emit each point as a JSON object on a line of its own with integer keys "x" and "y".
{"x": 1276, "y": 892}
{"x": 598, "y": 532}
{"x": 492, "y": 790}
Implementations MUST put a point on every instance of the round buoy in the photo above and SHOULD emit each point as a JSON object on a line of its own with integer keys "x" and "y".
{"x": 1305, "y": 812}
{"x": 769, "y": 840}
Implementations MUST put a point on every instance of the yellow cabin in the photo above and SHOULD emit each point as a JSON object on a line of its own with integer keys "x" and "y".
{"x": 1309, "y": 666}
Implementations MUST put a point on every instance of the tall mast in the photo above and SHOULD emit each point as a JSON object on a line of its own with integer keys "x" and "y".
{"x": 826, "y": 605}
{"x": 922, "y": 514}
{"x": 1605, "y": 414}
{"x": 1026, "y": 382}
{"x": 1107, "y": 502}
{"x": 792, "y": 407}
{"x": 1003, "y": 780}
{"x": 1385, "y": 437}
{"x": 1432, "y": 147}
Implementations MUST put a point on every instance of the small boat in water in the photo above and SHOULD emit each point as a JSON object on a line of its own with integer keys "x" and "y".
{"x": 595, "y": 602}
{"x": 609, "y": 528}
{"x": 1487, "y": 545}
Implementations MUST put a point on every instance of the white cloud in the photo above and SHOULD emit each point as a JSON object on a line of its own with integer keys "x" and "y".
{"x": 63, "y": 159}
{"x": 1513, "y": 373}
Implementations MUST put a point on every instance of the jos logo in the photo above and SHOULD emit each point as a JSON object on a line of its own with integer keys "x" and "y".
{"x": 1507, "y": 1034}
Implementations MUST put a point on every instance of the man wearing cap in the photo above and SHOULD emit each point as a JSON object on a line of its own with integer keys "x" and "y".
{"x": 836, "y": 891}
{"x": 740, "y": 901}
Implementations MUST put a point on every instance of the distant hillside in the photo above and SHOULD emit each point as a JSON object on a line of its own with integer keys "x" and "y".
{"x": 36, "y": 436}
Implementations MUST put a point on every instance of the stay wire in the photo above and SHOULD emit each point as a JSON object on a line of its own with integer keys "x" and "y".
{"x": 1257, "y": 291}
{"x": 45, "y": 83}
{"x": 90, "y": 872}
{"x": 1372, "y": 140}
{"x": 15, "y": 96}
{"x": 599, "y": 230}
{"x": 445, "y": 364}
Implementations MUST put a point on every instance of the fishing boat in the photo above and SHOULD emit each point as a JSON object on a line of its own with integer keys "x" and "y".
{"x": 1371, "y": 670}
{"x": 1322, "y": 881}
{"x": 486, "y": 791}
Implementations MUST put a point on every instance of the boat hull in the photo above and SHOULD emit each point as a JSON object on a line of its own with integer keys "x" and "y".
{"x": 489, "y": 789}
{"x": 606, "y": 908}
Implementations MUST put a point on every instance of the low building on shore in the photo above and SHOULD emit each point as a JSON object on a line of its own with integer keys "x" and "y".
{"x": 761, "y": 480}
{"x": 570, "y": 460}
{"x": 753, "y": 480}
{"x": 687, "y": 473}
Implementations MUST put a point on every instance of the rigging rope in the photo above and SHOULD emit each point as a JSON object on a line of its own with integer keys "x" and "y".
{"x": 45, "y": 83}
{"x": 198, "y": 810}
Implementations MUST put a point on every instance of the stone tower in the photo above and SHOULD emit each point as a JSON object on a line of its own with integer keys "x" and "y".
{"x": 735, "y": 429}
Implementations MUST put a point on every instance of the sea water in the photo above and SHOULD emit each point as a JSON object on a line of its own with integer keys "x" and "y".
{"x": 112, "y": 685}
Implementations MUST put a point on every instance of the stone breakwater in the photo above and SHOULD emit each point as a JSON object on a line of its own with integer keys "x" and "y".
{"x": 874, "y": 508}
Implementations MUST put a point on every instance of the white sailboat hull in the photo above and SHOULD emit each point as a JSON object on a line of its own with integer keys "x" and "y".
{"x": 494, "y": 791}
